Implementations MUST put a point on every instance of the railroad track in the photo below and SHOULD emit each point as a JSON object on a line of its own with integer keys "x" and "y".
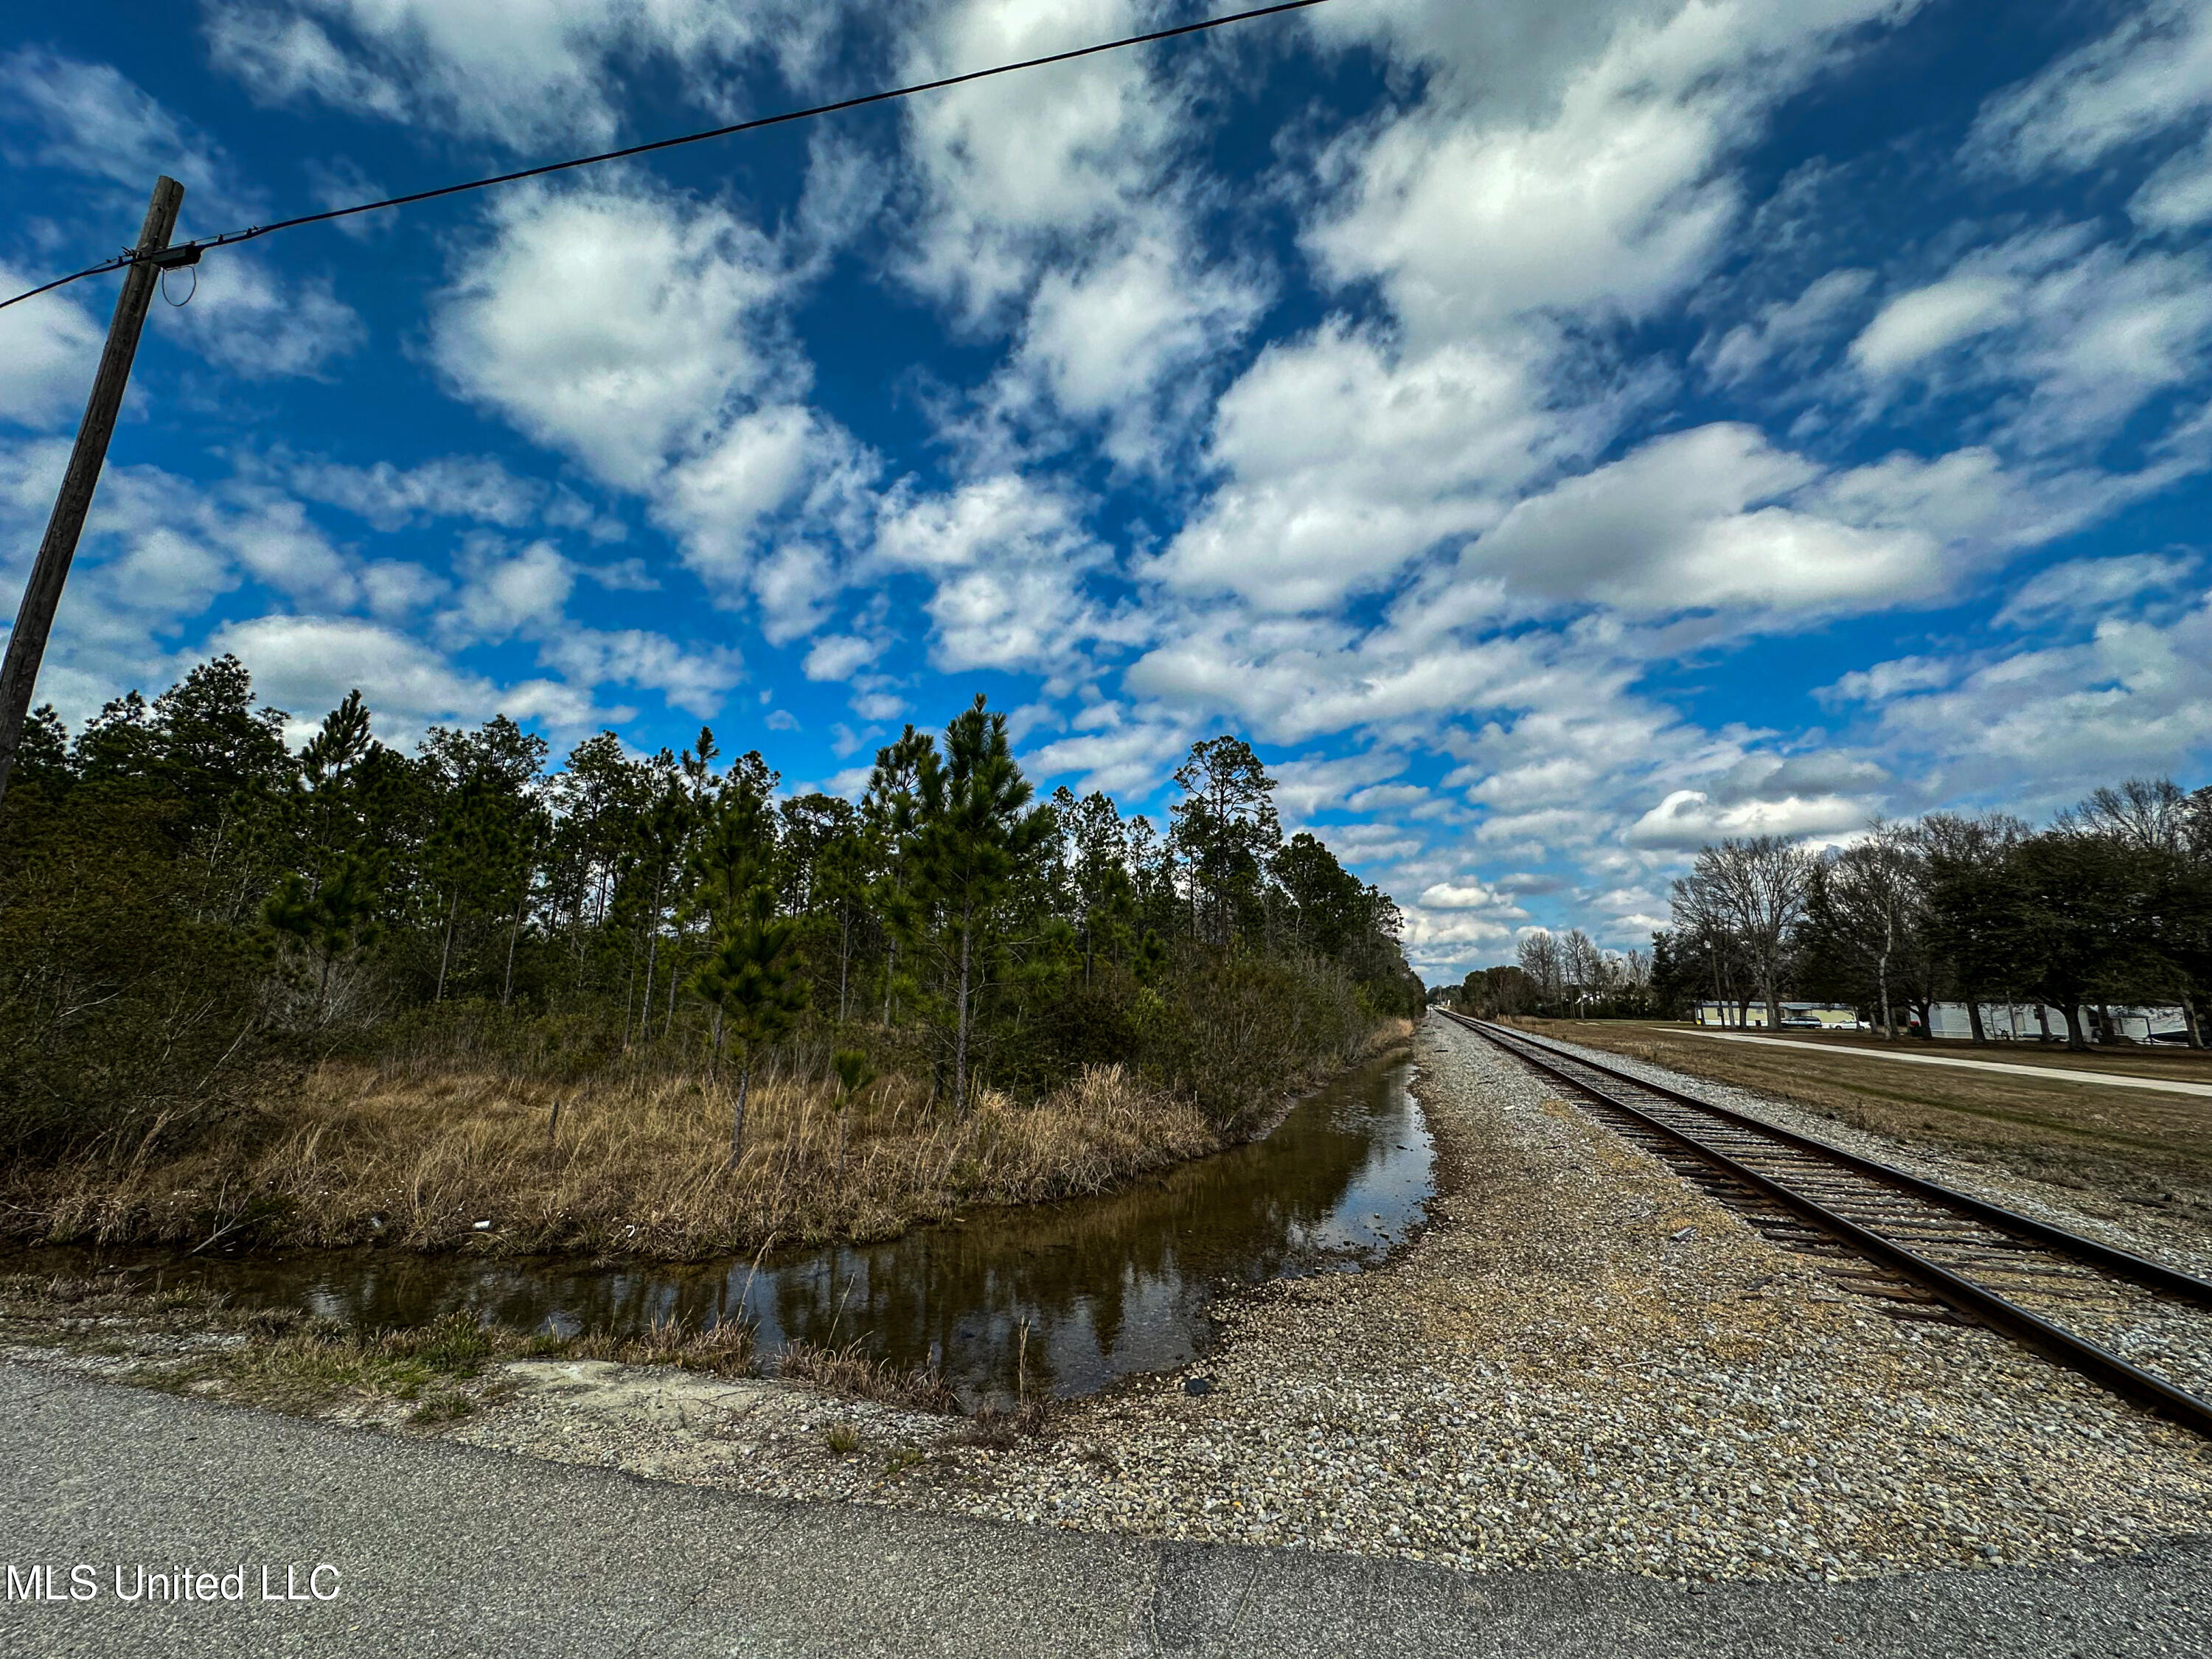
{"x": 2138, "y": 1327}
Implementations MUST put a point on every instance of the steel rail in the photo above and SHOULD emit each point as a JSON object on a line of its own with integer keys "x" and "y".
{"x": 2062, "y": 1346}
{"x": 2156, "y": 1275}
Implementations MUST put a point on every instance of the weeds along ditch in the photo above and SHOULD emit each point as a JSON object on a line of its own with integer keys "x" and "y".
{"x": 982, "y": 1311}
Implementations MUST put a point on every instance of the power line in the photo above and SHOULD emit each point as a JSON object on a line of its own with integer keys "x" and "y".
{"x": 186, "y": 253}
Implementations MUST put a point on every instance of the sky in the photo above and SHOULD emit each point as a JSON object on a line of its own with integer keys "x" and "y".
{"x": 1554, "y": 436}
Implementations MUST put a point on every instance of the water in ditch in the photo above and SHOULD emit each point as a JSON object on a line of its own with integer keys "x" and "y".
{"x": 1103, "y": 1287}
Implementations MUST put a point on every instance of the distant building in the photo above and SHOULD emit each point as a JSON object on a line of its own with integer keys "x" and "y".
{"x": 2002, "y": 1022}
{"x": 1795, "y": 1016}
{"x": 2024, "y": 1022}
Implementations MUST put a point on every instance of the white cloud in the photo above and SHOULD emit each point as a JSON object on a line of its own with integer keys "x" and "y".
{"x": 2089, "y": 589}
{"x": 839, "y": 656}
{"x": 1695, "y": 518}
{"x": 1785, "y": 335}
{"x": 505, "y": 592}
{"x": 395, "y": 587}
{"x": 307, "y": 665}
{"x": 1917, "y": 324}
{"x": 1600, "y": 190}
{"x": 1468, "y": 894}
{"x": 1687, "y": 819}
{"x": 2178, "y": 196}
{"x": 1010, "y": 169}
{"x": 1314, "y": 784}
{"x": 696, "y": 679}
{"x": 49, "y": 347}
{"x": 647, "y": 335}
{"x": 92, "y": 120}
{"x": 1131, "y": 756}
{"x": 516, "y": 70}
{"x": 2072, "y": 335}
{"x": 727, "y": 501}
{"x": 245, "y": 317}
{"x": 1128, "y": 340}
{"x": 1345, "y": 463}
{"x": 2150, "y": 73}
{"x": 612, "y": 324}
{"x": 2039, "y": 725}
{"x": 1886, "y": 680}
{"x": 475, "y": 487}
{"x": 272, "y": 538}
{"x": 1008, "y": 560}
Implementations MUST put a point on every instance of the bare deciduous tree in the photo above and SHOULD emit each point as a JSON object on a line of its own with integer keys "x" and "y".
{"x": 1755, "y": 890}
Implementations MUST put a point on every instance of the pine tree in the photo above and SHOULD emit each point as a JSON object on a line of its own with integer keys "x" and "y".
{"x": 972, "y": 835}
{"x": 1226, "y": 829}
{"x": 854, "y": 1074}
{"x": 750, "y": 980}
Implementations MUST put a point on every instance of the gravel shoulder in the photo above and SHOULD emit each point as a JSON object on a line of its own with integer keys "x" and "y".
{"x": 441, "y": 1549}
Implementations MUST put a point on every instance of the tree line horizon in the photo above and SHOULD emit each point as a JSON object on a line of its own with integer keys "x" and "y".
{"x": 2109, "y": 904}
{"x": 184, "y": 895}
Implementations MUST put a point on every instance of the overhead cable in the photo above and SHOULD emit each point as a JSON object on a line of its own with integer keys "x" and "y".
{"x": 188, "y": 252}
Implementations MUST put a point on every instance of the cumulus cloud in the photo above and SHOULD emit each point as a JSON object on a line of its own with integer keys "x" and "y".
{"x": 1604, "y": 193}
{"x": 1469, "y": 894}
{"x": 246, "y": 318}
{"x": 1919, "y": 323}
{"x": 49, "y": 347}
{"x": 90, "y": 121}
{"x": 306, "y": 665}
{"x": 1318, "y": 784}
{"x": 839, "y": 656}
{"x": 2060, "y": 337}
{"x": 1008, "y": 561}
{"x": 695, "y": 679}
{"x": 1688, "y": 818}
{"x": 1345, "y": 461}
{"x": 1699, "y": 518}
{"x": 1132, "y": 753}
{"x": 647, "y": 335}
{"x": 1786, "y": 335}
{"x": 479, "y": 487}
{"x": 1010, "y": 170}
{"x": 2038, "y": 725}
{"x": 518, "y": 73}
{"x": 611, "y": 324}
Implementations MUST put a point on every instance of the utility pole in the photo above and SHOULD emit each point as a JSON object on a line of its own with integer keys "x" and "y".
{"x": 35, "y": 619}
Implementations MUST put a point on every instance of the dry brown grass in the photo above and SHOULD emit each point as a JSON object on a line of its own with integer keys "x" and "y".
{"x": 2145, "y": 1149}
{"x": 848, "y": 1372}
{"x": 637, "y": 1166}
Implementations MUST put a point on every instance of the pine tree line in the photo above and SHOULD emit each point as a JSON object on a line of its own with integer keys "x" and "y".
{"x": 187, "y": 902}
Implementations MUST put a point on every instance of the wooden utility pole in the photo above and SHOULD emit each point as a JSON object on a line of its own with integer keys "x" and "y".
{"x": 35, "y": 619}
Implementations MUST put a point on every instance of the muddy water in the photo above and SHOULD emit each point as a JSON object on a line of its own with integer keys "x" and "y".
{"x": 1105, "y": 1286}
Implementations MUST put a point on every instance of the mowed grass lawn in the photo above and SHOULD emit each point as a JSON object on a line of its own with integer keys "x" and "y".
{"x": 2142, "y": 1149}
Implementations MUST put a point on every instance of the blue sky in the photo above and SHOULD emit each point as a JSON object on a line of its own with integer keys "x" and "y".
{"x": 1555, "y": 436}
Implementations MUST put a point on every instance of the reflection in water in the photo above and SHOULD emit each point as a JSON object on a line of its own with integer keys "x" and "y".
{"x": 1107, "y": 1286}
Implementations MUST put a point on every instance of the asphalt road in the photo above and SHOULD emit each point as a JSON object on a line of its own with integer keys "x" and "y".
{"x": 441, "y": 1550}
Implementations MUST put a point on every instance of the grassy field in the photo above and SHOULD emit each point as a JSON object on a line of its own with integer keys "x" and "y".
{"x": 419, "y": 1156}
{"x": 2127, "y": 1060}
{"x": 2143, "y": 1149}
